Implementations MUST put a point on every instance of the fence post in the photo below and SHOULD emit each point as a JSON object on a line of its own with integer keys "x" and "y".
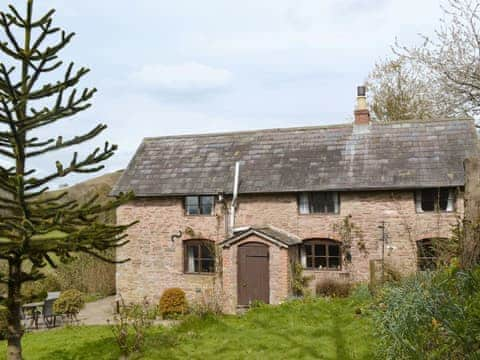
{"x": 470, "y": 241}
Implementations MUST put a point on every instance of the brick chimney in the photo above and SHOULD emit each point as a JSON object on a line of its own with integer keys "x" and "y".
{"x": 362, "y": 115}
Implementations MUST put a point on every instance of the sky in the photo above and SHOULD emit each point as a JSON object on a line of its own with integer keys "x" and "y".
{"x": 189, "y": 66}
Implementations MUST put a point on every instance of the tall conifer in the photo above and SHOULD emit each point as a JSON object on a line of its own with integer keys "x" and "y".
{"x": 38, "y": 229}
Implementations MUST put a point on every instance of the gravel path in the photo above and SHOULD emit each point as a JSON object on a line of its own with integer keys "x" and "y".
{"x": 97, "y": 312}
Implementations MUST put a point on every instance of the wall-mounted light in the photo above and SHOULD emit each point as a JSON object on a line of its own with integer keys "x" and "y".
{"x": 176, "y": 236}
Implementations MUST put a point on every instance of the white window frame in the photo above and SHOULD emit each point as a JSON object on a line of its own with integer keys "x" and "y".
{"x": 199, "y": 199}
{"x": 451, "y": 202}
{"x": 304, "y": 207}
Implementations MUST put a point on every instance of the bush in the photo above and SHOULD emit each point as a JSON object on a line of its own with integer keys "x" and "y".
{"x": 333, "y": 288}
{"x": 209, "y": 303}
{"x": 361, "y": 293}
{"x": 37, "y": 291}
{"x": 173, "y": 302}
{"x": 299, "y": 282}
{"x": 70, "y": 302}
{"x": 130, "y": 326}
{"x": 88, "y": 274}
{"x": 3, "y": 321}
{"x": 430, "y": 316}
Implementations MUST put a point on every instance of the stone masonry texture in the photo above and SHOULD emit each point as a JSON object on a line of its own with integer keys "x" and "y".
{"x": 156, "y": 259}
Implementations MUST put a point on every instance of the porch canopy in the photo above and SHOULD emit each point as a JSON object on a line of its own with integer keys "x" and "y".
{"x": 271, "y": 234}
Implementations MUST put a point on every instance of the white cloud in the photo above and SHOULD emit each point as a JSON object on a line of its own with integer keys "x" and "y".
{"x": 186, "y": 77}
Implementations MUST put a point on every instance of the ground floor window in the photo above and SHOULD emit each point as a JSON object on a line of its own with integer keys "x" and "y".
{"x": 426, "y": 255}
{"x": 321, "y": 254}
{"x": 199, "y": 256}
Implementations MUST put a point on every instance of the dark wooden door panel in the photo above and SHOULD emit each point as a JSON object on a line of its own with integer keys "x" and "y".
{"x": 253, "y": 273}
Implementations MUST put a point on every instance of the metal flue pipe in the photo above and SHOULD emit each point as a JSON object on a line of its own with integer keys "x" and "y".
{"x": 235, "y": 196}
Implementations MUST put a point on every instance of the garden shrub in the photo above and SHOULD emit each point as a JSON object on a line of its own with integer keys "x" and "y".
{"x": 333, "y": 288}
{"x": 70, "y": 302}
{"x": 299, "y": 282}
{"x": 130, "y": 325}
{"x": 209, "y": 303}
{"x": 88, "y": 274}
{"x": 173, "y": 303}
{"x": 430, "y": 316}
{"x": 361, "y": 293}
{"x": 3, "y": 321}
{"x": 37, "y": 291}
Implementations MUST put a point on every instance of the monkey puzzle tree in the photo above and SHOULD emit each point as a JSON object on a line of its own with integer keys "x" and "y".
{"x": 38, "y": 229}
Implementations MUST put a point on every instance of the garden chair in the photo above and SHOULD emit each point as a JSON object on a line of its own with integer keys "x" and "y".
{"x": 49, "y": 315}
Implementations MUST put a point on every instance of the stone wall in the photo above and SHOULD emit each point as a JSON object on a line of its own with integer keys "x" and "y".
{"x": 157, "y": 260}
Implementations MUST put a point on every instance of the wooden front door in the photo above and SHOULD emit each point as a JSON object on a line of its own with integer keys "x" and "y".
{"x": 253, "y": 273}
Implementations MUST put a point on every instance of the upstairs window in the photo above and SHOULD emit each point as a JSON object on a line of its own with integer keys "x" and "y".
{"x": 318, "y": 203}
{"x": 435, "y": 199}
{"x": 199, "y": 256}
{"x": 322, "y": 254}
{"x": 426, "y": 255}
{"x": 199, "y": 205}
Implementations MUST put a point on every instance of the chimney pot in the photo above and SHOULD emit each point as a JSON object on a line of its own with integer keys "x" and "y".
{"x": 362, "y": 115}
{"x": 361, "y": 90}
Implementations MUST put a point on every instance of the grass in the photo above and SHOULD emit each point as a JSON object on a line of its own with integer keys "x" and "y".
{"x": 320, "y": 329}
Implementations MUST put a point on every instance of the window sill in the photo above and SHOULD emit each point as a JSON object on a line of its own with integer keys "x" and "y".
{"x": 319, "y": 214}
{"x": 200, "y": 215}
{"x": 201, "y": 274}
{"x": 436, "y": 212}
{"x": 323, "y": 270}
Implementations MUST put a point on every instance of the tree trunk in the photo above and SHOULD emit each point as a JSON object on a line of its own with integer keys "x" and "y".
{"x": 471, "y": 237}
{"x": 15, "y": 330}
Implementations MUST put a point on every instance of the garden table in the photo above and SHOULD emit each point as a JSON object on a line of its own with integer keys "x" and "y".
{"x": 34, "y": 309}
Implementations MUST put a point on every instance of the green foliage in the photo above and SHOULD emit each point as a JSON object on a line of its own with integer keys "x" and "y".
{"x": 173, "y": 303}
{"x": 209, "y": 303}
{"x": 361, "y": 293}
{"x": 3, "y": 321}
{"x": 130, "y": 326}
{"x": 88, "y": 274}
{"x": 319, "y": 329}
{"x": 70, "y": 302}
{"x": 299, "y": 282}
{"x": 430, "y": 316}
{"x": 333, "y": 288}
{"x": 37, "y": 291}
{"x": 37, "y": 228}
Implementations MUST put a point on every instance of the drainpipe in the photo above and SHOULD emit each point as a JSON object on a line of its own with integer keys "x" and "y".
{"x": 234, "y": 198}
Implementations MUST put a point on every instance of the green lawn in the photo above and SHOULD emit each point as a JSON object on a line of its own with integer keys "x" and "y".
{"x": 322, "y": 329}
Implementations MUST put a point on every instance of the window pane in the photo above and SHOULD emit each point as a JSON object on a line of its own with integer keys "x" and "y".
{"x": 426, "y": 255}
{"x": 333, "y": 250}
{"x": 308, "y": 250}
{"x": 197, "y": 265}
{"x": 206, "y": 205}
{"x": 207, "y": 265}
{"x": 320, "y": 250}
{"x": 309, "y": 262}
{"x": 317, "y": 203}
{"x": 429, "y": 199}
{"x": 303, "y": 203}
{"x": 329, "y": 203}
{"x": 207, "y": 251}
{"x": 443, "y": 198}
{"x": 192, "y": 205}
{"x": 190, "y": 260}
{"x": 323, "y": 202}
{"x": 192, "y": 250}
{"x": 320, "y": 262}
{"x": 334, "y": 262}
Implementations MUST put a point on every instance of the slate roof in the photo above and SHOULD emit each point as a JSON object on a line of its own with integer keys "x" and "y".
{"x": 270, "y": 233}
{"x": 327, "y": 158}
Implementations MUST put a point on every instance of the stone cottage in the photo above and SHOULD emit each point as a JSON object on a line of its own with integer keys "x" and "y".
{"x": 233, "y": 211}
